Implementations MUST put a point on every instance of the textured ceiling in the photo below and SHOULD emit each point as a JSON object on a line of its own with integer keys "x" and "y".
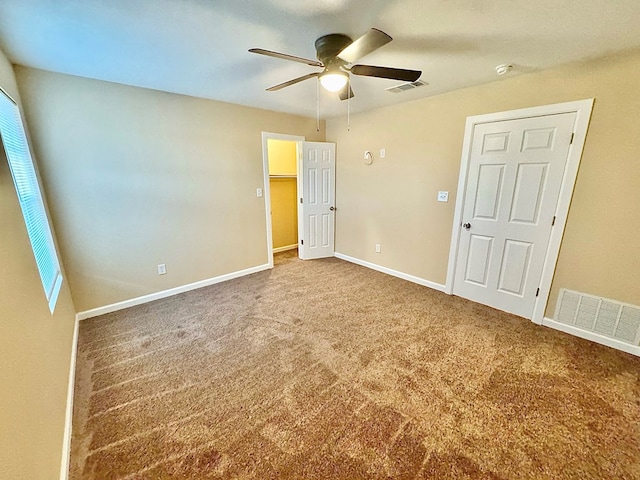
{"x": 199, "y": 47}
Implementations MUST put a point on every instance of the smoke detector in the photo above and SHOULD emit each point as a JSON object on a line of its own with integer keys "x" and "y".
{"x": 503, "y": 69}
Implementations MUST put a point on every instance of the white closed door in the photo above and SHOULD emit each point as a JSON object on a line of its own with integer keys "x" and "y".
{"x": 515, "y": 174}
{"x": 318, "y": 200}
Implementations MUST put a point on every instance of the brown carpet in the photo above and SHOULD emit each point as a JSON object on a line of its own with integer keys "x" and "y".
{"x": 327, "y": 370}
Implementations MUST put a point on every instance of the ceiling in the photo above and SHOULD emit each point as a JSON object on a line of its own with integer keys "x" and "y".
{"x": 200, "y": 47}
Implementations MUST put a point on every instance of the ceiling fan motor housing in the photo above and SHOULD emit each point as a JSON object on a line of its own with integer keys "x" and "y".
{"x": 328, "y": 47}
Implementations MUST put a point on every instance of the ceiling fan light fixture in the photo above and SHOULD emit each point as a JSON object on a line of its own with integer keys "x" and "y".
{"x": 333, "y": 81}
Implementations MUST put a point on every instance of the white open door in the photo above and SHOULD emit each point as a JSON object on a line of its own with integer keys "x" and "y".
{"x": 317, "y": 204}
{"x": 516, "y": 171}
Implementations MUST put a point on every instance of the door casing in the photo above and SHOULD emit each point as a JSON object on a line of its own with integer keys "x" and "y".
{"x": 583, "y": 109}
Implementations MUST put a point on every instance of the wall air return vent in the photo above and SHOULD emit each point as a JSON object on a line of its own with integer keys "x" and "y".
{"x": 599, "y": 315}
{"x": 403, "y": 87}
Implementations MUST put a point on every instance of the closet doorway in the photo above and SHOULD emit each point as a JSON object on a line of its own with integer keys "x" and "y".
{"x": 281, "y": 161}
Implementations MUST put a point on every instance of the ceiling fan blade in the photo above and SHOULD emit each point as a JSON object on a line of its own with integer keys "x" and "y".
{"x": 346, "y": 92}
{"x": 284, "y": 56}
{"x": 386, "y": 72}
{"x": 293, "y": 82}
{"x": 367, "y": 43}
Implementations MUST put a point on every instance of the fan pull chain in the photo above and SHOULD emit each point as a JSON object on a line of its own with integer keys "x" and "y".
{"x": 318, "y": 104}
{"x": 349, "y": 107}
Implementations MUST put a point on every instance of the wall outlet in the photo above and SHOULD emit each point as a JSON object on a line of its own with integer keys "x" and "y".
{"x": 162, "y": 269}
{"x": 383, "y": 153}
{"x": 258, "y": 192}
{"x": 378, "y": 249}
{"x": 443, "y": 196}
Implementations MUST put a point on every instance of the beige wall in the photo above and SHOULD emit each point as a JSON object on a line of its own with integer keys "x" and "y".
{"x": 35, "y": 346}
{"x": 393, "y": 201}
{"x": 138, "y": 177}
{"x": 284, "y": 211}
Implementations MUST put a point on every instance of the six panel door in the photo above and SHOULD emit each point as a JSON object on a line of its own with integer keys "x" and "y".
{"x": 318, "y": 205}
{"x": 515, "y": 175}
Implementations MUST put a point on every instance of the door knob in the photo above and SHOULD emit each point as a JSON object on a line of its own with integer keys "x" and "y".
{"x": 466, "y": 226}
{"x": 332, "y": 208}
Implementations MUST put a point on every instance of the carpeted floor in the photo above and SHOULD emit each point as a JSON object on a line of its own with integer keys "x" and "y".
{"x": 327, "y": 370}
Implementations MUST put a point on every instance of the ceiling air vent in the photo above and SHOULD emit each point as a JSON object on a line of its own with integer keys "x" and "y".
{"x": 406, "y": 86}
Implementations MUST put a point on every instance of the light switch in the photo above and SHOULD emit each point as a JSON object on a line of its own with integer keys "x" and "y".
{"x": 443, "y": 196}
{"x": 258, "y": 192}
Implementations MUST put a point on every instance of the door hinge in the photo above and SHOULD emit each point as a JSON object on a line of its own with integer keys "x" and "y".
{"x": 301, "y": 242}
{"x": 553, "y": 222}
{"x": 537, "y": 292}
{"x": 300, "y": 200}
{"x": 571, "y": 141}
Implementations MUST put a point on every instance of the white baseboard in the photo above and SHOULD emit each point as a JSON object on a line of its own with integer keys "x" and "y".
{"x": 285, "y": 248}
{"x": 168, "y": 293}
{"x": 66, "y": 441}
{"x": 394, "y": 273}
{"x": 594, "y": 337}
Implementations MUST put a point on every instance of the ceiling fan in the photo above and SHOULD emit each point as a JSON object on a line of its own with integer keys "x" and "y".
{"x": 335, "y": 53}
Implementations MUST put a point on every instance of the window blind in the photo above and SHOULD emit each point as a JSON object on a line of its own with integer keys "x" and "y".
{"x": 28, "y": 190}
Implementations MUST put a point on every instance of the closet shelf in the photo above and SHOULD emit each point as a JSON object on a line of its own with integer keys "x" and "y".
{"x": 283, "y": 176}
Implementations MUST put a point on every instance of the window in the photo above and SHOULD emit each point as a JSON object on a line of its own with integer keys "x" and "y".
{"x": 26, "y": 182}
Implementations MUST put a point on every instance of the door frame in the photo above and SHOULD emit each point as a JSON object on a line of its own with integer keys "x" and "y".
{"x": 267, "y": 185}
{"x": 582, "y": 109}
